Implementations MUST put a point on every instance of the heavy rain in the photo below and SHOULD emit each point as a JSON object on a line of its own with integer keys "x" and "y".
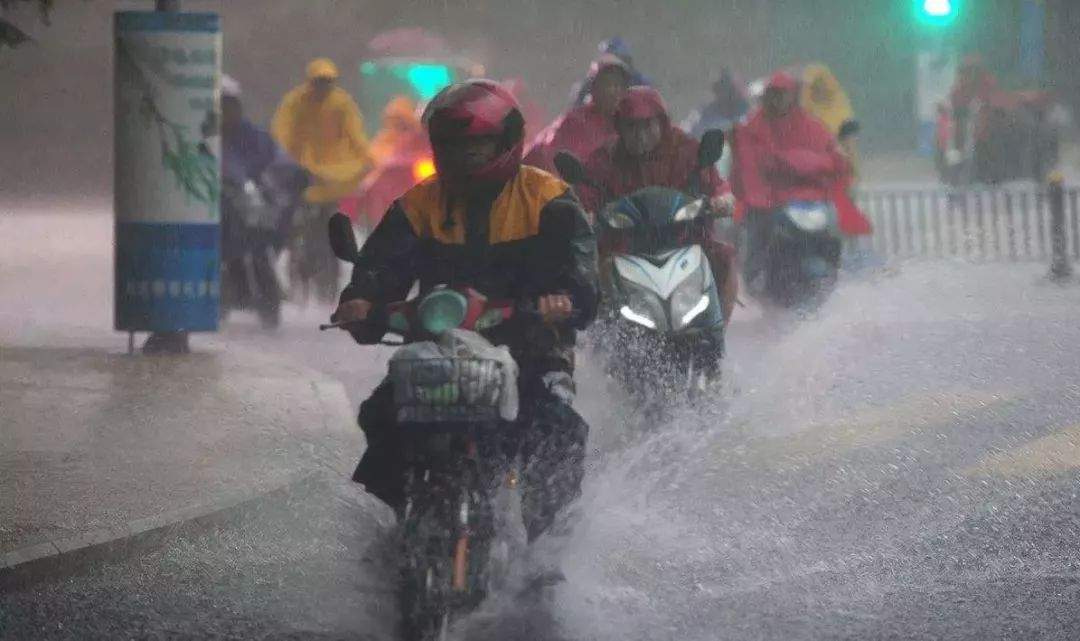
{"x": 743, "y": 319}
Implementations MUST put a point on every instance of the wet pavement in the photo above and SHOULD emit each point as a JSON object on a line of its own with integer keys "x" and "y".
{"x": 97, "y": 446}
{"x": 902, "y": 465}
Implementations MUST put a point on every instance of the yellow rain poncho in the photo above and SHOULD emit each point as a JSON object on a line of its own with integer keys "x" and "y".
{"x": 823, "y": 97}
{"x": 325, "y": 137}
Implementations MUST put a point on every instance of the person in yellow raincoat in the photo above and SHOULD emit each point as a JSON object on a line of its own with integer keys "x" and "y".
{"x": 320, "y": 126}
{"x": 822, "y": 97}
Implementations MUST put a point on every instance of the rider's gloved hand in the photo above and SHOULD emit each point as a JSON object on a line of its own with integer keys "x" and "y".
{"x": 723, "y": 205}
{"x": 555, "y": 307}
{"x": 350, "y": 311}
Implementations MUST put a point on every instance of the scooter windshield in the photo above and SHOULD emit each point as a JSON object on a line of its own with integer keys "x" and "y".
{"x": 645, "y": 221}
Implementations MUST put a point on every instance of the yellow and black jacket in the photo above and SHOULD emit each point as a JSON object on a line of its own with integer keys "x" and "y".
{"x": 526, "y": 239}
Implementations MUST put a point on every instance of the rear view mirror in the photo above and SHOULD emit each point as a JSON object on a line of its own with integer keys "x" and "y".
{"x": 711, "y": 148}
{"x": 342, "y": 238}
{"x": 571, "y": 169}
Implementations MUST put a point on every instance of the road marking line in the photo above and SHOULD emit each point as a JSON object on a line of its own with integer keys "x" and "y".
{"x": 875, "y": 425}
{"x": 1045, "y": 456}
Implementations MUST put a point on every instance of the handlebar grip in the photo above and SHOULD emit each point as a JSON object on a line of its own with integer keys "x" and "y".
{"x": 375, "y": 322}
{"x": 529, "y": 310}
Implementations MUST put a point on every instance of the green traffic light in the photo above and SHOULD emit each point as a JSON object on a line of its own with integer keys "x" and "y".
{"x": 937, "y": 12}
{"x": 428, "y": 80}
{"x": 937, "y": 8}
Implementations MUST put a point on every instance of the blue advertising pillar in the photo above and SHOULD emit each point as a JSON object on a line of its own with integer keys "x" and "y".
{"x": 167, "y": 180}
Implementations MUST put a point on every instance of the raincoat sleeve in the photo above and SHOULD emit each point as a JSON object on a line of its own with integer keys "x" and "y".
{"x": 747, "y": 168}
{"x": 712, "y": 184}
{"x": 387, "y": 267}
{"x": 598, "y": 168}
{"x": 283, "y": 124}
{"x": 812, "y": 164}
{"x": 569, "y": 256}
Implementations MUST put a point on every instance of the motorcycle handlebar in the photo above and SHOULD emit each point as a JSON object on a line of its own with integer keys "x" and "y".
{"x": 527, "y": 309}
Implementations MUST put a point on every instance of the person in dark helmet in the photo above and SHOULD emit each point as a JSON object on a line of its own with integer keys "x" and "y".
{"x": 509, "y": 231}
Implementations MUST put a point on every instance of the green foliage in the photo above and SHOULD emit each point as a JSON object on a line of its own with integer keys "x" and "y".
{"x": 191, "y": 165}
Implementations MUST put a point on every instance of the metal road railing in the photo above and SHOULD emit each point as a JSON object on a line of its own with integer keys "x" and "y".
{"x": 1010, "y": 224}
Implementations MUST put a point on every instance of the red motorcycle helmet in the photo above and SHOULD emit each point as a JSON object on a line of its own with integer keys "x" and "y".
{"x": 478, "y": 107}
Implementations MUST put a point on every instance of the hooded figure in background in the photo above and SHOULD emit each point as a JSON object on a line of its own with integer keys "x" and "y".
{"x": 258, "y": 198}
{"x": 781, "y": 155}
{"x": 650, "y": 152}
{"x": 822, "y": 97}
{"x": 320, "y": 126}
{"x": 728, "y": 106}
{"x": 647, "y": 151}
{"x": 246, "y": 150}
{"x": 584, "y": 129}
{"x": 617, "y": 47}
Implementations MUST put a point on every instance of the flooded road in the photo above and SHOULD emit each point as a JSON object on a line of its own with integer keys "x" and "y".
{"x": 903, "y": 464}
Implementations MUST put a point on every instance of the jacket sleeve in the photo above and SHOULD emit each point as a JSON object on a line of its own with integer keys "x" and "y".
{"x": 266, "y": 152}
{"x": 387, "y": 267}
{"x": 569, "y": 256}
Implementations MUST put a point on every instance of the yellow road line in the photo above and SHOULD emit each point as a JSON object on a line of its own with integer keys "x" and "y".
{"x": 1046, "y": 456}
{"x": 877, "y": 425}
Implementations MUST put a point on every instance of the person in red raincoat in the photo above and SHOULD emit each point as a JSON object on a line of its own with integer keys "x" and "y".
{"x": 781, "y": 155}
{"x": 649, "y": 151}
{"x": 583, "y": 129}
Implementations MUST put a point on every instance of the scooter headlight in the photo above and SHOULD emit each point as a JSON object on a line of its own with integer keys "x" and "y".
{"x": 689, "y": 300}
{"x": 442, "y": 310}
{"x": 689, "y": 211}
{"x": 642, "y": 307}
{"x": 809, "y": 217}
{"x": 640, "y": 318}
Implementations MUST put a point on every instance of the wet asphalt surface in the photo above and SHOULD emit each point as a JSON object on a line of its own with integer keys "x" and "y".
{"x": 903, "y": 466}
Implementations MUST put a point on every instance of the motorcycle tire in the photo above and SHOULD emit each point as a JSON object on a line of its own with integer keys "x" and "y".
{"x": 428, "y": 600}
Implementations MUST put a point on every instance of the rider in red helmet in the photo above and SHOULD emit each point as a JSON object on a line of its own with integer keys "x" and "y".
{"x": 509, "y": 231}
